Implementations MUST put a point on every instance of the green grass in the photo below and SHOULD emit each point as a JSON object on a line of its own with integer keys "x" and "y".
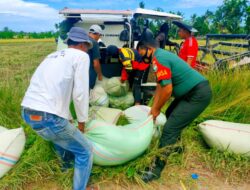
{"x": 231, "y": 100}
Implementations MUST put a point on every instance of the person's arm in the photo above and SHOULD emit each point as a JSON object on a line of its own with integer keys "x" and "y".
{"x": 190, "y": 60}
{"x": 124, "y": 75}
{"x": 157, "y": 94}
{"x": 80, "y": 92}
{"x": 81, "y": 126}
{"x": 164, "y": 87}
{"x": 140, "y": 65}
{"x": 163, "y": 93}
{"x": 98, "y": 69}
{"x": 96, "y": 60}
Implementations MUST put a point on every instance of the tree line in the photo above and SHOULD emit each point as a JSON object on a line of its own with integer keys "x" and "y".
{"x": 232, "y": 17}
{"x": 7, "y": 33}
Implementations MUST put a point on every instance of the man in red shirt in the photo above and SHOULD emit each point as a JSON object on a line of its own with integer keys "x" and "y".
{"x": 189, "y": 48}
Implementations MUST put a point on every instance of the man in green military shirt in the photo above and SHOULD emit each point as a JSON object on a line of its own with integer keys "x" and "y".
{"x": 190, "y": 89}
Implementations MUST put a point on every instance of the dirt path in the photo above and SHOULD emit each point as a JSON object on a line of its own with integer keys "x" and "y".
{"x": 182, "y": 181}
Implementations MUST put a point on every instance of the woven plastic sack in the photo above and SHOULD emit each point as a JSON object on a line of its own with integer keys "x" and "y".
{"x": 114, "y": 87}
{"x": 101, "y": 82}
{"x": 98, "y": 97}
{"x": 122, "y": 102}
{"x": 140, "y": 112}
{"x": 114, "y": 145}
{"x": 109, "y": 115}
{"x": 11, "y": 147}
{"x": 234, "y": 137}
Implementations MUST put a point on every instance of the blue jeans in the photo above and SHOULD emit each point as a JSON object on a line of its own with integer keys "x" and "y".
{"x": 67, "y": 139}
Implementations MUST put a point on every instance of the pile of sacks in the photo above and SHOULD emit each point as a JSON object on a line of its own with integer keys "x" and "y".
{"x": 114, "y": 144}
{"x": 111, "y": 93}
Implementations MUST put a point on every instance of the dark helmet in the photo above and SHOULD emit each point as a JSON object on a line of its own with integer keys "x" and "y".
{"x": 112, "y": 50}
{"x": 147, "y": 38}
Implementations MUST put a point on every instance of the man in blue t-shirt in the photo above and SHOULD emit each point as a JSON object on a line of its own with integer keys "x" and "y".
{"x": 95, "y": 70}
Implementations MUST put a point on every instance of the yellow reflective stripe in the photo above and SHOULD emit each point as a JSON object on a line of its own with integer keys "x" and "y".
{"x": 132, "y": 54}
{"x": 126, "y": 63}
{"x": 128, "y": 53}
{"x": 124, "y": 53}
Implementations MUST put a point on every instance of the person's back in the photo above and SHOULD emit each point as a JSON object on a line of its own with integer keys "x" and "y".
{"x": 129, "y": 54}
{"x": 52, "y": 83}
{"x": 62, "y": 77}
{"x": 183, "y": 77}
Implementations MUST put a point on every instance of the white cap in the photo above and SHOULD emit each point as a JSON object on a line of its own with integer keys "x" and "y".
{"x": 95, "y": 29}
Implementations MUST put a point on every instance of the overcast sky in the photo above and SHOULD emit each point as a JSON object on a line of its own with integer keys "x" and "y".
{"x": 41, "y": 15}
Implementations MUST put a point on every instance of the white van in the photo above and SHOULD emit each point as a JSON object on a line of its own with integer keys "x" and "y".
{"x": 122, "y": 28}
{"x": 117, "y": 23}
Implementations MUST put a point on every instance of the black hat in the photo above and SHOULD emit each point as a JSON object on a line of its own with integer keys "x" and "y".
{"x": 184, "y": 26}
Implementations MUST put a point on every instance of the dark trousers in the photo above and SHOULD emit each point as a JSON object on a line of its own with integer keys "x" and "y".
{"x": 136, "y": 78}
{"x": 182, "y": 111}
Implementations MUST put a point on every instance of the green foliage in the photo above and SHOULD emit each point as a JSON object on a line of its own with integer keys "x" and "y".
{"x": 233, "y": 16}
{"x": 122, "y": 121}
{"x": 201, "y": 25}
{"x": 228, "y": 18}
{"x": 142, "y": 5}
{"x": 230, "y": 15}
{"x": 247, "y": 27}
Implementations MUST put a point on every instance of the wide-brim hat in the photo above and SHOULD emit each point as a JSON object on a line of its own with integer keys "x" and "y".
{"x": 184, "y": 26}
{"x": 78, "y": 34}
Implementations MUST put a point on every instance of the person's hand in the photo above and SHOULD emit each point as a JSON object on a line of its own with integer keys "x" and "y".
{"x": 122, "y": 81}
{"x": 81, "y": 126}
{"x": 154, "y": 112}
{"x": 100, "y": 77}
